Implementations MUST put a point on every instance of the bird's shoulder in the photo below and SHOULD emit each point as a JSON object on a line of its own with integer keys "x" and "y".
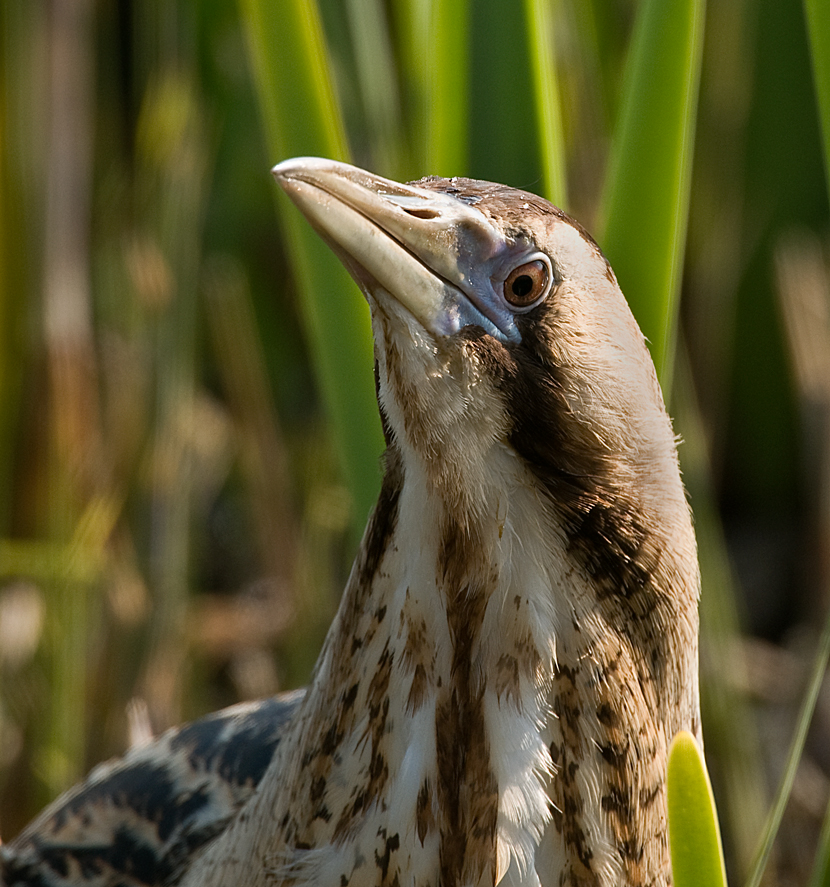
{"x": 136, "y": 820}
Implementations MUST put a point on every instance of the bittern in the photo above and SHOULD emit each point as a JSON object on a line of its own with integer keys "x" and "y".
{"x": 517, "y": 642}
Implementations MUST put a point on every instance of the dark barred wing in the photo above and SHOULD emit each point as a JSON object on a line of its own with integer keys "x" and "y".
{"x": 140, "y": 820}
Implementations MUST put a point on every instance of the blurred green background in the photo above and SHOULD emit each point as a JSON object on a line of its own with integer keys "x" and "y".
{"x": 177, "y": 516}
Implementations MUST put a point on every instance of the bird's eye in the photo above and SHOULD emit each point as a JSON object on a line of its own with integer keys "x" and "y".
{"x": 527, "y": 283}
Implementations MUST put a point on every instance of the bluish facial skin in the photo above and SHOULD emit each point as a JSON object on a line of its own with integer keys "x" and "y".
{"x": 481, "y": 299}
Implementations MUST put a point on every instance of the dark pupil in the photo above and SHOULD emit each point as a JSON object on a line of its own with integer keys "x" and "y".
{"x": 522, "y": 285}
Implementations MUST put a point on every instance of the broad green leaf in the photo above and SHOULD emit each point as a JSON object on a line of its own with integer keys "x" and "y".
{"x": 301, "y": 117}
{"x": 694, "y": 835}
{"x": 646, "y": 199}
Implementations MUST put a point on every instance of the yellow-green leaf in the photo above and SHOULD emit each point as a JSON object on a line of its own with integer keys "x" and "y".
{"x": 694, "y": 835}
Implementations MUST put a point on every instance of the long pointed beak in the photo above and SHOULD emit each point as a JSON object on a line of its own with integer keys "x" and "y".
{"x": 429, "y": 250}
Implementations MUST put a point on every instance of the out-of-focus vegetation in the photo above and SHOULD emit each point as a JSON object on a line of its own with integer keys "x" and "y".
{"x": 176, "y": 519}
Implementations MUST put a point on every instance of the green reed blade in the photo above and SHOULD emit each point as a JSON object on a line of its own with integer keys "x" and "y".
{"x": 301, "y": 117}
{"x": 818, "y": 26}
{"x": 546, "y": 98}
{"x": 646, "y": 199}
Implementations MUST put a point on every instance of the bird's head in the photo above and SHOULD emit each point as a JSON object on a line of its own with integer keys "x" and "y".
{"x": 499, "y": 324}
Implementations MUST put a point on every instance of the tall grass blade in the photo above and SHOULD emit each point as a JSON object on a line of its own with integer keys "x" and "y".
{"x": 446, "y": 55}
{"x": 378, "y": 84}
{"x": 8, "y": 311}
{"x": 820, "y": 876}
{"x": 434, "y": 47}
{"x": 730, "y": 726}
{"x": 818, "y": 26}
{"x": 546, "y": 97}
{"x": 504, "y": 130}
{"x": 74, "y": 418}
{"x": 301, "y": 117}
{"x": 805, "y": 715}
{"x": 646, "y": 199}
{"x": 409, "y": 20}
